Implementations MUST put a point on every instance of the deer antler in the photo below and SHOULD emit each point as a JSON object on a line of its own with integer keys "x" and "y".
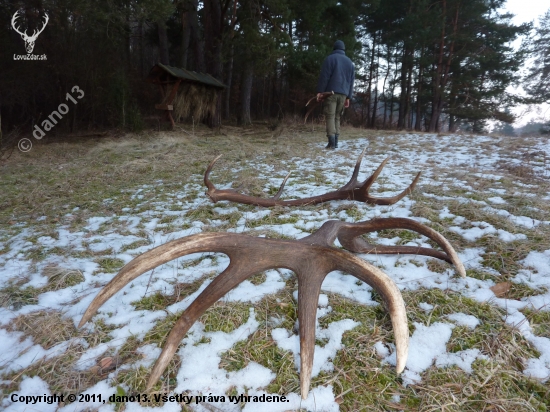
{"x": 13, "y": 22}
{"x": 353, "y": 190}
{"x": 37, "y": 32}
{"x": 29, "y": 40}
{"x": 311, "y": 258}
{"x": 318, "y": 99}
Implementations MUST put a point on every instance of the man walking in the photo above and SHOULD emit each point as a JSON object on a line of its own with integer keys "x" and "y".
{"x": 337, "y": 76}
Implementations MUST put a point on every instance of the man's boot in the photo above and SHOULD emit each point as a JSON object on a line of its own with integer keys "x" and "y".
{"x": 336, "y": 141}
{"x": 330, "y": 144}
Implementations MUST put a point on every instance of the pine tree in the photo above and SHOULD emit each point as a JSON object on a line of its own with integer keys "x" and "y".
{"x": 538, "y": 79}
{"x": 539, "y": 76}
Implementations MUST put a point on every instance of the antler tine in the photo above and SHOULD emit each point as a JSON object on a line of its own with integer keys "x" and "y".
{"x": 309, "y": 101}
{"x": 13, "y": 21}
{"x": 348, "y": 236}
{"x": 308, "y": 113}
{"x": 278, "y": 195}
{"x": 353, "y": 180}
{"x": 311, "y": 266}
{"x": 309, "y": 287}
{"x": 384, "y": 201}
{"x": 235, "y": 273}
{"x": 364, "y": 188}
{"x": 391, "y": 295}
{"x": 36, "y": 32}
{"x": 204, "y": 242}
{"x": 207, "y": 181}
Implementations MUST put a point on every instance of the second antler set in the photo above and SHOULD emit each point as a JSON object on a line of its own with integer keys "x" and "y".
{"x": 353, "y": 190}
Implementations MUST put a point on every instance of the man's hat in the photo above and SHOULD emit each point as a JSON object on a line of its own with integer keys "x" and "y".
{"x": 339, "y": 45}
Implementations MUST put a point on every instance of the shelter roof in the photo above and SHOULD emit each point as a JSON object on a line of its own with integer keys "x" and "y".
{"x": 158, "y": 70}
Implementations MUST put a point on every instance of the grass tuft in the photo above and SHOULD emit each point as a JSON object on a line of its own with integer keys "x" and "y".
{"x": 47, "y": 328}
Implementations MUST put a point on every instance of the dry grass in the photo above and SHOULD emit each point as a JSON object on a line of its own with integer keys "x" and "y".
{"x": 47, "y": 328}
{"x": 194, "y": 102}
{"x": 60, "y": 278}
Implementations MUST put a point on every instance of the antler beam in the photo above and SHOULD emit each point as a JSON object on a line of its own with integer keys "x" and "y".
{"x": 353, "y": 190}
{"x": 317, "y": 99}
{"x": 311, "y": 258}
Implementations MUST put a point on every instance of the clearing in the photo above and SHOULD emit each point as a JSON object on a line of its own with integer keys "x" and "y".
{"x": 73, "y": 213}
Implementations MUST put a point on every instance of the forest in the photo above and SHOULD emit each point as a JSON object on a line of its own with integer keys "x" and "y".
{"x": 424, "y": 65}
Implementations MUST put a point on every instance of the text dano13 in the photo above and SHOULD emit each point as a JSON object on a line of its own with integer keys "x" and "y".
{"x": 62, "y": 109}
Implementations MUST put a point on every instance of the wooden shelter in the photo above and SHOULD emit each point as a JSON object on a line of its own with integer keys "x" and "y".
{"x": 185, "y": 92}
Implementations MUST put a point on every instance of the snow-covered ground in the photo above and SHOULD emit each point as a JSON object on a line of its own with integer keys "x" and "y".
{"x": 200, "y": 372}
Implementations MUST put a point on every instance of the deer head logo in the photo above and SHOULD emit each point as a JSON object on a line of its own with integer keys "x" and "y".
{"x": 29, "y": 40}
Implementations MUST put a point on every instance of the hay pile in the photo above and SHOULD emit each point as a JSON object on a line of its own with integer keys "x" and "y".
{"x": 194, "y": 101}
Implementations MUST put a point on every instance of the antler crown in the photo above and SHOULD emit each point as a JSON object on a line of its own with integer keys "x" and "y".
{"x": 353, "y": 190}
{"x": 311, "y": 258}
{"x": 29, "y": 40}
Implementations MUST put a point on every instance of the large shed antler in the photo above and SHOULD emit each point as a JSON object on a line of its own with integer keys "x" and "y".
{"x": 29, "y": 40}
{"x": 316, "y": 99}
{"x": 353, "y": 190}
{"x": 311, "y": 258}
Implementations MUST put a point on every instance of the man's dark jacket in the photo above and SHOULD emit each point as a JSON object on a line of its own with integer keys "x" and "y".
{"x": 337, "y": 72}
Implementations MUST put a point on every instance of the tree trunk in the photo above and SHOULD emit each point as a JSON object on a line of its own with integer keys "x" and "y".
{"x": 213, "y": 50}
{"x": 391, "y": 109}
{"x": 371, "y": 75}
{"x": 392, "y": 95}
{"x": 408, "y": 112}
{"x": 128, "y": 41}
{"x": 436, "y": 81}
{"x": 229, "y": 69}
{"x": 195, "y": 49}
{"x": 452, "y": 123}
{"x": 246, "y": 91}
{"x": 405, "y": 93}
{"x": 375, "y": 105}
{"x": 228, "y": 83}
{"x": 418, "y": 123}
{"x": 141, "y": 52}
{"x": 163, "y": 42}
{"x": 270, "y": 87}
{"x": 384, "y": 93}
{"x": 453, "y": 104}
{"x": 185, "y": 38}
{"x": 442, "y": 72}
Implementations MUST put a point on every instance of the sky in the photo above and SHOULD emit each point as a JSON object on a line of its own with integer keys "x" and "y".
{"x": 528, "y": 11}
